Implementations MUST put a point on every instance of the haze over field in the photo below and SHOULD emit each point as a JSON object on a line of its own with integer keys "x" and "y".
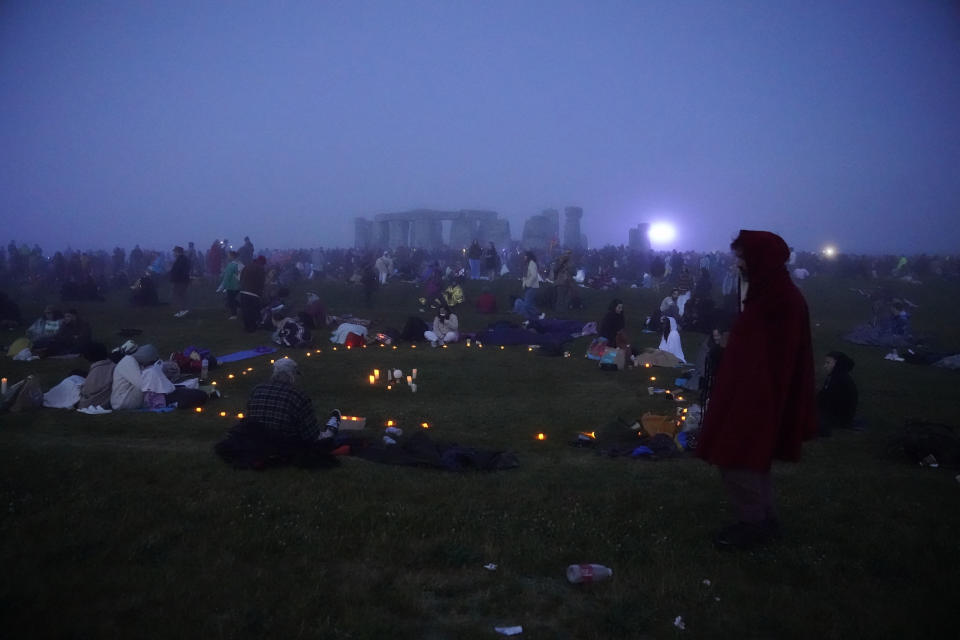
{"x": 158, "y": 123}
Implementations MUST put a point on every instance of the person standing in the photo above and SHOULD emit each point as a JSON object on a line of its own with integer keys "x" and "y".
{"x": 253, "y": 279}
{"x": 474, "y": 254}
{"x": 180, "y": 279}
{"x": 246, "y": 251}
{"x": 491, "y": 260}
{"x": 762, "y": 403}
{"x": 230, "y": 282}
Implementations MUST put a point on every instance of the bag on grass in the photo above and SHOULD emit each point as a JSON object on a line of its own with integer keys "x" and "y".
{"x": 596, "y": 348}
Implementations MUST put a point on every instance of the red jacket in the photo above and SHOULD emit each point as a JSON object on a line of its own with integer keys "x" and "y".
{"x": 762, "y": 405}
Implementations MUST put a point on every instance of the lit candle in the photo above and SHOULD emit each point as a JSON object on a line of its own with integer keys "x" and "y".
{"x": 444, "y": 345}
{"x": 240, "y": 416}
{"x": 468, "y": 342}
{"x": 230, "y": 376}
{"x": 389, "y": 386}
{"x": 373, "y": 379}
{"x": 413, "y": 387}
{"x": 502, "y": 347}
{"x": 425, "y": 425}
{"x": 272, "y": 361}
{"x": 653, "y": 377}
{"x": 389, "y": 375}
{"x": 334, "y": 348}
{"x": 3, "y": 385}
{"x": 394, "y": 347}
{"x": 199, "y": 409}
{"x": 390, "y": 423}
{"x": 409, "y": 379}
{"x": 413, "y": 346}
{"x": 376, "y": 374}
{"x": 414, "y": 372}
{"x": 308, "y": 354}
{"x": 223, "y": 414}
{"x": 213, "y": 383}
{"x": 541, "y": 436}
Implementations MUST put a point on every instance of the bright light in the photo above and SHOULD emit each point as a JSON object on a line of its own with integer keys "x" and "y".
{"x": 829, "y": 251}
{"x": 661, "y": 233}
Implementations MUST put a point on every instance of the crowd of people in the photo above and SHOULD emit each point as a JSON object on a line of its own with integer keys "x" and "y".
{"x": 747, "y": 305}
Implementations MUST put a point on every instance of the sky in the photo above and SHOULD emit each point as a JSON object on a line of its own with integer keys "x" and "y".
{"x": 164, "y": 122}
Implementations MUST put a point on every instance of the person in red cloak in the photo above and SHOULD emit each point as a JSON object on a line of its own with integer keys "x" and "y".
{"x": 762, "y": 405}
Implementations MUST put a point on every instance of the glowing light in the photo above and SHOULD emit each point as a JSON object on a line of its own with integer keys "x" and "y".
{"x": 541, "y": 436}
{"x": 373, "y": 379}
{"x": 223, "y": 414}
{"x": 662, "y": 233}
{"x": 230, "y": 376}
{"x": 425, "y": 425}
{"x": 390, "y": 423}
{"x": 240, "y": 416}
{"x": 199, "y": 409}
{"x": 214, "y": 383}
{"x": 653, "y": 377}
{"x": 829, "y": 251}
{"x": 502, "y": 347}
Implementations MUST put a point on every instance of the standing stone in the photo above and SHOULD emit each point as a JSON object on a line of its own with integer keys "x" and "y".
{"x": 462, "y": 233}
{"x": 639, "y": 238}
{"x": 426, "y": 233}
{"x": 363, "y": 234}
{"x": 399, "y": 234}
{"x": 571, "y": 227}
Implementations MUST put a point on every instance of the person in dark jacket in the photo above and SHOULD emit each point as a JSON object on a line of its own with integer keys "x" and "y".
{"x": 837, "y": 399}
{"x": 612, "y": 322}
{"x": 180, "y": 279}
{"x": 253, "y": 279}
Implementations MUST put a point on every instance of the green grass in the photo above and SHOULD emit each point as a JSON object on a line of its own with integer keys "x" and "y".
{"x": 127, "y": 525}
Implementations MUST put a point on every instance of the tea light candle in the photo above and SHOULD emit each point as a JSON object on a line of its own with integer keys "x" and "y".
{"x": 223, "y": 414}
{"x": 413, "y": 387}
{"x": 389, "y": 375}
{"x": 376, "y": 374}
{"x": 425, "y": 425}
{"x": 414, "y": 372}
{"x": 240, "y": 416}
{"x": 372, "y": 378}
{"x": 502, "y": 347}
{"x": 409, "y": 379}
{"x": 3, "y": 385}
{"x": 468, "y": 342}
{"x": 541, "y": 436}
{"x": 199, "y": 409}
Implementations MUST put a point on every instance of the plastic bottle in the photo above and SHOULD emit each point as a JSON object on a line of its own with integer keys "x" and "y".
{"x": 204, "y": 368}
{"x": 578, "y": 573}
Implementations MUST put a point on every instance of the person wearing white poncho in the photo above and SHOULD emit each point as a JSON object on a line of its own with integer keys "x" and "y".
{"x": 670, "y": 337}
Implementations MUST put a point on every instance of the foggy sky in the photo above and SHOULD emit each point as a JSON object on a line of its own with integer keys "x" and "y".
{"x": 163, "y": 122}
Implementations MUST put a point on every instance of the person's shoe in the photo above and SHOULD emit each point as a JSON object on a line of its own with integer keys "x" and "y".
{"x": 434, "y": 343}
{"x": 746, "y": 535}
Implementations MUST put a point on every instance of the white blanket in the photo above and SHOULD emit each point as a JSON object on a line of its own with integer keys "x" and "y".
{"x": 65, "y": 395}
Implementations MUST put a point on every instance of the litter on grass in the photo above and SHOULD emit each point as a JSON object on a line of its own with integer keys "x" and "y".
{"x": 509, "y": 631}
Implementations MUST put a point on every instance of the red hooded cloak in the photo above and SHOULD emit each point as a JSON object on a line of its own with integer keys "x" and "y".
{"x": 762, "y": 405}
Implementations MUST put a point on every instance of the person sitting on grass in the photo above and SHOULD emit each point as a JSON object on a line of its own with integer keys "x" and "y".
{"x": 613, "y": 322}
{"x": 280, "y": 426}
{"x": 127, "y": 391}
{"x": 837, "y": 399}
{"x": 47, "y": 325}
{"x": 446, "y": 328}
{"x": 96, "y": 387}
{"x": 486, "y": 302}
{"x": 72, "y": 337}
{"x": 670, "y": 337}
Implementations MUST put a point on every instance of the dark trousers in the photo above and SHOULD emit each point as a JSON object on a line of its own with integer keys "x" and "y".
{"x": 249, "y": 311}
{"x": 750, "y": 493}
{"x": 232, "y": 304}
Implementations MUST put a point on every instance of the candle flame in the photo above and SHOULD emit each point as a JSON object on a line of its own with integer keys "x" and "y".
{"x": 240, "y": 416}
{"x": 223, "y": 414}
{"x": 230, "y": 376}
{"x": 390, "y": 423}
{"x": 199, "y": 409}
{"x": 425, "y": 425}
{"x": 541, "y": 436}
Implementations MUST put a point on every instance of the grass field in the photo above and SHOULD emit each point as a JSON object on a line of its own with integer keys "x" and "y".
{"x": 127, "y": 525}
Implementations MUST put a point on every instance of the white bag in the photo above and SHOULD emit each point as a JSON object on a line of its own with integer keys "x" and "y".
{"x": 152, "y": 379}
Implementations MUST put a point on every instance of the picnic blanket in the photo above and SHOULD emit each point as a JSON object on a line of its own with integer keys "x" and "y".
{"x": 244, "y": 355}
